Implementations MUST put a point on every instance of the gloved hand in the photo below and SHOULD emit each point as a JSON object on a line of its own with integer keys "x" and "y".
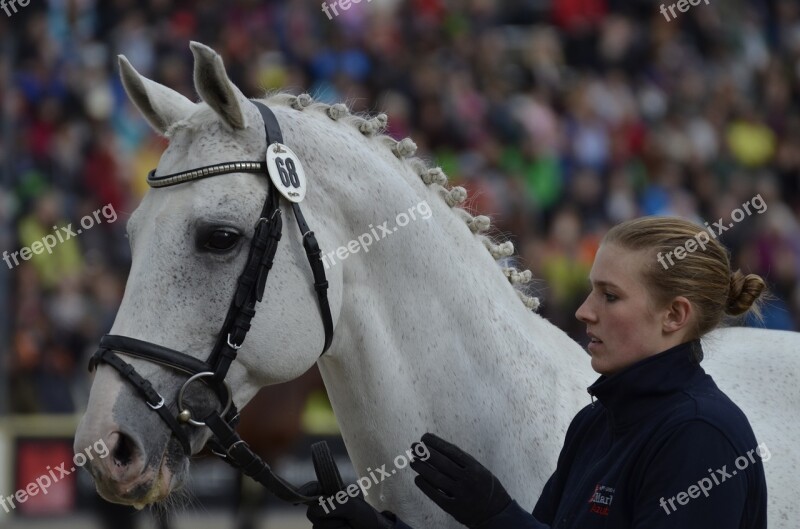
{"x": 458, "y": 484}
{"x": 352, "y": 513}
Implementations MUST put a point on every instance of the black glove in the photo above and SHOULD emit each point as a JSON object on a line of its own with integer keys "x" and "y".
{"x": 351, "y": 513}
{"x": 458, "y": 484}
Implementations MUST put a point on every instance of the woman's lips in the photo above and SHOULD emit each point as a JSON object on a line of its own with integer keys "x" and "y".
{"x": 594, "y": 343}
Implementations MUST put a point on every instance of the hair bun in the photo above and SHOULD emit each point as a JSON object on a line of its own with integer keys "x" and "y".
{"x": 744, "y": 291}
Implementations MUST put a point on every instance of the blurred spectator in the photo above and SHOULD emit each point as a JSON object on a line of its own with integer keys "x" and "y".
{"x": 64, "y": 261}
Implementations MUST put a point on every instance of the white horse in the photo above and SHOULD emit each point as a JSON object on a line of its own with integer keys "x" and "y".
{"x": 430, "y": 333}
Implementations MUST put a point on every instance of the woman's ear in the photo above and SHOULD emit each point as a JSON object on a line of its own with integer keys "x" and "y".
{"x": 678, "y": 315}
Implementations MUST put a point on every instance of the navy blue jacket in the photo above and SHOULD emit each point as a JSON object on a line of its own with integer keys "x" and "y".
{"x": 662, "y": 447}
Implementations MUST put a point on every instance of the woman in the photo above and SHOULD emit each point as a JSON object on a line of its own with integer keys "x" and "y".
{"x": 657, "y": 448}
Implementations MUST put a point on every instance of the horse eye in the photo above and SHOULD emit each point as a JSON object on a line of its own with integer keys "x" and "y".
{"x": 221, "y": 240}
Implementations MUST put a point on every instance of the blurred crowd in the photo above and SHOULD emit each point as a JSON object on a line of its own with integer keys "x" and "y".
{"x": 562, "y": 117}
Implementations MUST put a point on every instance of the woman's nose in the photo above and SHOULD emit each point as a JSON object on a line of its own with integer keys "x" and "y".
{"x": 583, "y": 313}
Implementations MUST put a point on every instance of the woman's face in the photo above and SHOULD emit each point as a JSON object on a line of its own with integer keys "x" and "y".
{"x": 621, "y": 321}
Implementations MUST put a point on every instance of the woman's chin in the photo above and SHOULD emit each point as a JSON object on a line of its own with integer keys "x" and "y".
{"x": 596, "y": 365}
{"x": 599, "y": 363}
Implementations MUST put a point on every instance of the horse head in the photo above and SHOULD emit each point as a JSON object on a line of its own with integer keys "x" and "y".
{"x": 189, "y": 244}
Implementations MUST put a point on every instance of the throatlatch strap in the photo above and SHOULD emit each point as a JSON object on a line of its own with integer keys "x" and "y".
{"x": 313, "y": 254}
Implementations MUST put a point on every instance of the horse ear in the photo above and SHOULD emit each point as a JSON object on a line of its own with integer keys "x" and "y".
{"x": 216, "y": 89}
{"x": 161, "y": 106}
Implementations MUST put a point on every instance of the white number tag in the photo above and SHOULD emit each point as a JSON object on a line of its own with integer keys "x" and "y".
{"x": 286, "y": 172}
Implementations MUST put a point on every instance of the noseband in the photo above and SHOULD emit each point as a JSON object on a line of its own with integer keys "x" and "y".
{"x": 285, "y": 177}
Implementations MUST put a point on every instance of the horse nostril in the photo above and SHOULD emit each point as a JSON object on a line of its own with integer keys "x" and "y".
{"x": 127, "y": 459}
{"x": 124, "y": 449}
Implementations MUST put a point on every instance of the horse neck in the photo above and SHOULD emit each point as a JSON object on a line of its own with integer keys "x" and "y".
{"x": 431, "y": 335}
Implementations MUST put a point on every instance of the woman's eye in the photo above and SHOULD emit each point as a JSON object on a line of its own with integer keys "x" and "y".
{"x": 221, "y": 240}
{"x": 610, "y": 297}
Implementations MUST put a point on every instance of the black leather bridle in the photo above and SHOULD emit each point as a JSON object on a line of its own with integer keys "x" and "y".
{"x": 250, "y": 289}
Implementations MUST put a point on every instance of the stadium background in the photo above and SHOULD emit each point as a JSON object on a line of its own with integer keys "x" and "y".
{"x": 561, "y": 118}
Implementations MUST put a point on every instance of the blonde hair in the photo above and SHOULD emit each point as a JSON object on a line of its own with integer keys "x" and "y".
{"x": 703, "y": 276}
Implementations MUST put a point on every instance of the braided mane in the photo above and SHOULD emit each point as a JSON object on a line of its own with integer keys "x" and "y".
{"x": 434, "y": 177}
{"x": 405, "y": 150}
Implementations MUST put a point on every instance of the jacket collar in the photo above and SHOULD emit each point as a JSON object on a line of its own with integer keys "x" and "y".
{"x": 644, "y": 387}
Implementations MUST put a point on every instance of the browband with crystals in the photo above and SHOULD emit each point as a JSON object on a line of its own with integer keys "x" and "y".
{"x": 205, "y": 172}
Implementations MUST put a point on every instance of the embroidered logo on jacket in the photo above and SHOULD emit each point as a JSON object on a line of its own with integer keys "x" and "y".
{"x": 601, "y": 499}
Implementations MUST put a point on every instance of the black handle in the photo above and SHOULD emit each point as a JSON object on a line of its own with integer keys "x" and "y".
{"x": 327, "y": 472}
